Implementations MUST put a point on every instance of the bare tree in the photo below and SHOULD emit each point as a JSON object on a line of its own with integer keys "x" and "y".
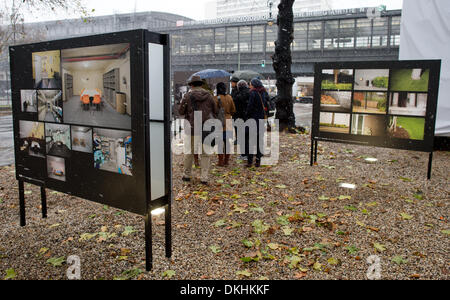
{"x": 282, "y": 61}
{"x": 12, "y": 29}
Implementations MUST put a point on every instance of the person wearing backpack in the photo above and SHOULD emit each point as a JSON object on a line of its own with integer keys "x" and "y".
{"x": 257, "y": 110}
{"x": 197, "y": 99}
{"x": 227, "y": 109}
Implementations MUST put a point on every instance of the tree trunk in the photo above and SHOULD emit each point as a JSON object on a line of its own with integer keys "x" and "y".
{"x": 282, "y": 61}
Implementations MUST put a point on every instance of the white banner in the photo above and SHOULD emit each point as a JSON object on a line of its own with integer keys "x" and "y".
{"x": 425, "y": 34}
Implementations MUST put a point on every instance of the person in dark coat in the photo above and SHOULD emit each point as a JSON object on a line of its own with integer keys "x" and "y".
{"x": 256, "y": 110}
{"x": 241, "y": 103}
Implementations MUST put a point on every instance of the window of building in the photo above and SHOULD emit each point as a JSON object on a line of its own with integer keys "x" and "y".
{"x": 395, "y": 35}
{"x": 363, "y": 33}
{"x": 232, "y": 39}
{"x": 271, "y": 37}
{"x": 257, "y": 39}
{"x": 300, "y": 36}
{"x": 220, "y": 41}
{"x": 245, "y": 38}
{"x": 347, "y": 34}
{"x": 380, "y": 32}
{"x": 315, "y": 36}
{"x": 331, "y": 35}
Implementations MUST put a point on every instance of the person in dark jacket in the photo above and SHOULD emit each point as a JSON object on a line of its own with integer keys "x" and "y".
{"x": 197, "y": 99}
{"x": 256, "y": 110}
{"x": 241, "y": 103}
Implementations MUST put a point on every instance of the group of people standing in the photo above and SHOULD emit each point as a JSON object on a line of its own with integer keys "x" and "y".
{"x": 247, "y": 101}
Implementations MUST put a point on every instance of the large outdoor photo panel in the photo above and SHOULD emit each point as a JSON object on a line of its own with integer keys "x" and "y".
{"x": 97, "y": 86}
{"x": 82, "y": 109}
{"x": 387, "y": 103}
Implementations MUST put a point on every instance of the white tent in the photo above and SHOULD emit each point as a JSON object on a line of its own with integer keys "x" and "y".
{"x": 425, "y": 34}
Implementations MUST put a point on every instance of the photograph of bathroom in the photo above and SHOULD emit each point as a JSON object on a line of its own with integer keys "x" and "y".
{"x": 369, "y": 125}
{"x": 32, "y": 141}
{"x": 335, "y": 123}
{"x": 113, "y": 151}
{"x": 82, "y": 139}
{"x": 47, "y": 69}
{"x": 28, "y": 100}
{"x": 97, "y": 86}
{"x": 56, "y": 168}
{"x": 57, "y": 138}
{"x": 408, "y": 104}
{"x": 50, "y": 106}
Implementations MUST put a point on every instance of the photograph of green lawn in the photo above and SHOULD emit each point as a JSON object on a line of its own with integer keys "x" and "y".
{"x": 410, "y": 80}
{"x": 407, "y": 128}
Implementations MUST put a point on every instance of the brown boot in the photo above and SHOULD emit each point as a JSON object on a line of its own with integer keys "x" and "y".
{"x": 227, "y": 159}
{"x": 221, "y": 160}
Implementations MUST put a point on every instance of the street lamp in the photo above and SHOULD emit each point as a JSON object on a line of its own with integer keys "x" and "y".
{"x": 271, "y": 20}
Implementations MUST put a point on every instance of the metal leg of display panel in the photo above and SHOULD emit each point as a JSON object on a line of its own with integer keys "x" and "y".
{"x": 430, "y": 165}
{"x": 22, "y": 203}
{"x": 44, "y": 202}
{"x": 148, "y": 242}
{"x": 316, "y": 146}
{"x": 312, "y": 152}
{"x": 168, "y": 215}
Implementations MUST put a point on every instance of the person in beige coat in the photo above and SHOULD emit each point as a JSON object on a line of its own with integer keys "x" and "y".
{"x": 225, "y": 101}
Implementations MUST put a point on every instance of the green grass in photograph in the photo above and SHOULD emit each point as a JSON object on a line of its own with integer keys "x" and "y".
{"x": 414, "y": 126}
{"x": 328, "y": 85}
{"x": 401, "y": 81}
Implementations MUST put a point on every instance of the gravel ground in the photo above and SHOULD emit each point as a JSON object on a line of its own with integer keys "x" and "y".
{"x": 311, "y": 227}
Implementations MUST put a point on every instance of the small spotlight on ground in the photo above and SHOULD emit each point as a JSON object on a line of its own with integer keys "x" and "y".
{"x": 371, "y": 160}
{"x": 347, "y": 186}
{"x": 158, "y": 211}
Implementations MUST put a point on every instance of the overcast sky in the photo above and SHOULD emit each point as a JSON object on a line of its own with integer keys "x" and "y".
{"x": 192, "y": 9}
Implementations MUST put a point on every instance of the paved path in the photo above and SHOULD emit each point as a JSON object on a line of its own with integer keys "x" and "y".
{"x": 6, "y": 140}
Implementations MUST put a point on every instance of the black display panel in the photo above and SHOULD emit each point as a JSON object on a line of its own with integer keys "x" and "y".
{"x": 81, "y": 110}
{"x": 388, "y": 104}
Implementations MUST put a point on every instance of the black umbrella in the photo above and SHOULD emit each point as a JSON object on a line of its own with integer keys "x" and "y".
{"x": 246, "y": 75}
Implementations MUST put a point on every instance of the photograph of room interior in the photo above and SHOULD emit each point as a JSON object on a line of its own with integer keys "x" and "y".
{"x": 57, "y": 138}
{"x": 47, "y": 69}
{"x": 56, "y": 168}
{"x": 50, "y": 106}
{"x": 97, "y": 86}
{"x": 28, "y": 100}
{"x": 82, "y": 139}
{"x": 113, "y": 151}
{"x": 32, "y": 140}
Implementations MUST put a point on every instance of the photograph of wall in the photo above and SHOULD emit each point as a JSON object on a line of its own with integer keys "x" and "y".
{"x": 82, "y": 139}
{"x": 57, "y": 138}
{"x": 97, "y": 86}
{"x": 113, "y": 151}
{"x": 337, "y": 80}
{"x": 407, "y": 128}
{"x": 336, "y": 102}
{"x": 28, "y": 100}
{"x": 410, "y": 80}
{"x": 369, "y": 125}
{"x": 50, "y": 107}
{"x": 32, "y": 141}
{"x": 369, "y": 102}
{"x": 335, "y": 123}
{"x": 56, "y": 168}
{"x": 408, "y": 104}
{"x": 47, "y": 69}
{"x": 372, "y": 80}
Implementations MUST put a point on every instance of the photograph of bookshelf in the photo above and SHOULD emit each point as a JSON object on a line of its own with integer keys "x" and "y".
{"x": 111, "y": 84}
